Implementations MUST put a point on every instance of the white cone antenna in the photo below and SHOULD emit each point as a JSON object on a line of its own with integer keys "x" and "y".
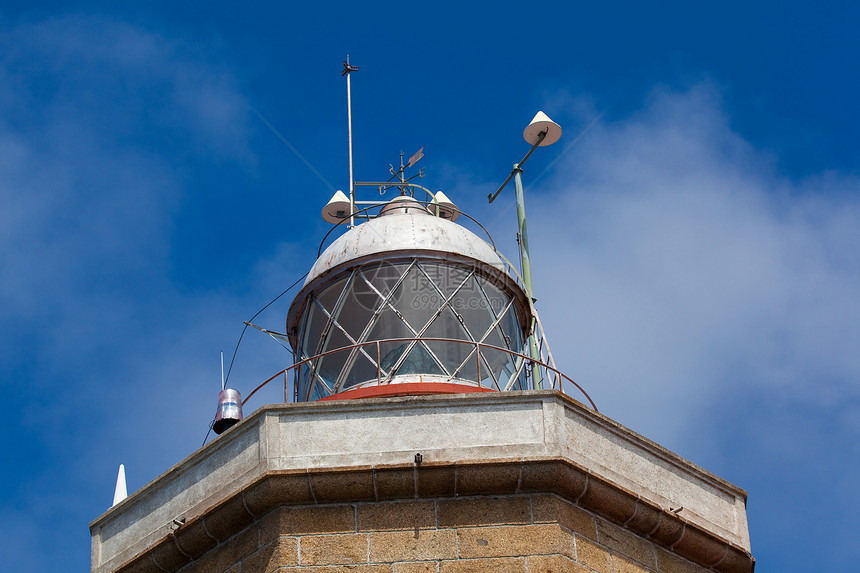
{"x": 337, "y": 208}
{"x": 442, "y": 207}
{"x": 120, "y": 493}
{"x": 538, "y": 125}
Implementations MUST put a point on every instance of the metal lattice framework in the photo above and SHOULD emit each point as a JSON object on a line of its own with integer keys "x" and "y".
{"x": 412, "y": 308}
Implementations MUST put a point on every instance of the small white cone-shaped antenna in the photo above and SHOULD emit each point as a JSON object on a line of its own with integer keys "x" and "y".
{"x": 443, "y": 207}
{"x": 337, "y": 208}
{"x": 539, "y": 124}
{"x": 120, "y": 493}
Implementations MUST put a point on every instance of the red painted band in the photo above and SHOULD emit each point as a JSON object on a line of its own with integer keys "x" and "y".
{"x": 405, "y": 389}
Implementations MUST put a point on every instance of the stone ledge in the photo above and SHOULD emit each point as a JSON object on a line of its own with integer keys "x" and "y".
{"x": 475, "y": 444}
{"x": 610, "y": 501}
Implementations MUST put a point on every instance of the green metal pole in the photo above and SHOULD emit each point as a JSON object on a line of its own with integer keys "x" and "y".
{"x": 527, "y": 270}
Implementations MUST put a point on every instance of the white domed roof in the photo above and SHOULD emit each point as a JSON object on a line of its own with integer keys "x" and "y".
{"x": 408, "y": 229}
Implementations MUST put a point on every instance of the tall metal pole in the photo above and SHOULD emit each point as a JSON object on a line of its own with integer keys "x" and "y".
{"x": 527, "y": 268}
{"x": 540, "y": 131}
{"x": 347, "y": 70}
{"x": 523, "y": 239}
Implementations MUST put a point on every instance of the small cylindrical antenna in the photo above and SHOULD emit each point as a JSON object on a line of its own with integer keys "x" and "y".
{"x": 222, "y": 370}
{"x": 347, "y": 70}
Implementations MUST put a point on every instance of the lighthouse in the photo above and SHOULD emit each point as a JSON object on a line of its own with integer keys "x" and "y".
{"x": 427, "y": 430}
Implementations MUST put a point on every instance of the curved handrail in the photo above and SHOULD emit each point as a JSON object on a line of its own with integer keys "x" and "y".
{"x": 477, "y": 345}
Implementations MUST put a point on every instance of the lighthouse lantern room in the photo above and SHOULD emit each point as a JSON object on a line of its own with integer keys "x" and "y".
{"x": 408, "y": 302}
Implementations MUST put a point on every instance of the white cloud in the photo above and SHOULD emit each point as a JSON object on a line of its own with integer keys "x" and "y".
{"x": 676, "y": 270}
{"x": 89, "y": 177}
{"x": 98, "y": 120}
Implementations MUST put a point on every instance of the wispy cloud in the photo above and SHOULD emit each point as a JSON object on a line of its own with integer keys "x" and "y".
{"x": 684, "y": 269}
{"x": 710, "y": 303}
{"x": 97, "y": 120}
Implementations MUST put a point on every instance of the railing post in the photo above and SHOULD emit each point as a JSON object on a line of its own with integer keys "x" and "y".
{"x": 478, "y": 358}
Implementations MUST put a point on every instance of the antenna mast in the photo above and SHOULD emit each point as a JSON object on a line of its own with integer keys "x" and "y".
{"x": 347, "y": 70}
{"x": 542, "y": 131}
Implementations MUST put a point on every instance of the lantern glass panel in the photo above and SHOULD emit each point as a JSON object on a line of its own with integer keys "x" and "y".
{"x": 380, "y": 301}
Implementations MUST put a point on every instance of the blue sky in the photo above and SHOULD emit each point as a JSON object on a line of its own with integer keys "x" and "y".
{"x": 696, "y": 253}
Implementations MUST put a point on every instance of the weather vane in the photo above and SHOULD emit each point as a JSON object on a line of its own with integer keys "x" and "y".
{"x": 399, "y": 173}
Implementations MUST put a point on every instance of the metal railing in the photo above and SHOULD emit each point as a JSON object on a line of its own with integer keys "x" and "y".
{"x": 550, "y": 373}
